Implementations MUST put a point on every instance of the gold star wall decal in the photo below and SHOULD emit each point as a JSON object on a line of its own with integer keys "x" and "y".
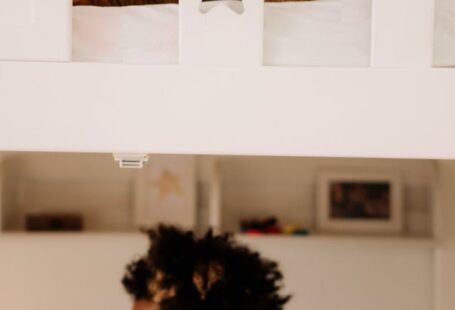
{"x": 168, "y": 184}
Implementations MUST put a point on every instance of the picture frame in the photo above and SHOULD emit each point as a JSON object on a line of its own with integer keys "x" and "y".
{"x": 359, "y": 202}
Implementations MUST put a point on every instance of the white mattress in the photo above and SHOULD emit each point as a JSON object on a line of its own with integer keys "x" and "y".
{"x": 319, "y": 33}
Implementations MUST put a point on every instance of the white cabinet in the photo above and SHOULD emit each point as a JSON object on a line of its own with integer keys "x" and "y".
{"x": 37, "y": 30}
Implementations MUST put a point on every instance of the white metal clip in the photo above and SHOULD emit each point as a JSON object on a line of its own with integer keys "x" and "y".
{"x": 131, "y": 160}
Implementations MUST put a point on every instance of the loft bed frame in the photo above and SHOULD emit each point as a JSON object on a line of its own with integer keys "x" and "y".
{"x": 215, "y": 103}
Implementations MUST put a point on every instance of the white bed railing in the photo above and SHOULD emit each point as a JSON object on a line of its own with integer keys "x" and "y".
{"x": 221, "y": 36}
{"x": 404, "y": 112}
{"x": 35, "y": 30}
{"x": 40, "y": 30}
{"x": 402, "y": 33}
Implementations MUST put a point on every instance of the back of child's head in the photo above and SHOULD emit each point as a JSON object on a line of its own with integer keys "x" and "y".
{"x": 181, "y": 271}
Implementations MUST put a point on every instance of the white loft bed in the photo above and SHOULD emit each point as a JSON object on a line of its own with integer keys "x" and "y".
{"x": 220, "y": 99}
{"x": 399, "y": 106}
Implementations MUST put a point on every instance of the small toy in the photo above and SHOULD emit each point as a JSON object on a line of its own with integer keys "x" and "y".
{"x": 269, "y": 226}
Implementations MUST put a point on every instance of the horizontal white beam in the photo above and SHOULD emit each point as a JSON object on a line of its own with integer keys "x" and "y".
{"x": 199, "y": 110}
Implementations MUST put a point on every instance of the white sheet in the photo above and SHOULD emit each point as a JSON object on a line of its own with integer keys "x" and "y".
{"x": 320, "y": 33}
{"x": 135, "y": 34}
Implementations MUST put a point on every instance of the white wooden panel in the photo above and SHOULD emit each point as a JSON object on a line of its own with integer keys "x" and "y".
{"x": 263, "y": 111}
{"x": 74, "y": 272}
{"x": 402, "y": 33}
{"x": 35, "y": 30}
{"x": 1, "y": 192}
{"x": 215, "y": 211}
{"x": 445, "y": 219}
{"x": 16, "y": 12}
{"x": 166, "y": 192}
{"x": 225, "y": 33}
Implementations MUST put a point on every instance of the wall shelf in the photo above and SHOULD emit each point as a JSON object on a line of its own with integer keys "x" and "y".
{"x": 334, "y": 240}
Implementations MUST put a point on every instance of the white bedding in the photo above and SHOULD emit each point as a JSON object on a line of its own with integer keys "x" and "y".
{"x": 319, "y": 33}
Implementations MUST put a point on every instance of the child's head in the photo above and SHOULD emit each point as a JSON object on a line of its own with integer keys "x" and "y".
{"x": 183, "y": 272}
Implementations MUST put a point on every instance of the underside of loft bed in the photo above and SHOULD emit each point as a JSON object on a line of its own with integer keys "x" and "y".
{"x": 398, "y": 107}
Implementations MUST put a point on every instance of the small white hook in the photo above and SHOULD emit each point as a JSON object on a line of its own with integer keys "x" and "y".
{"x": 131, "y": 160}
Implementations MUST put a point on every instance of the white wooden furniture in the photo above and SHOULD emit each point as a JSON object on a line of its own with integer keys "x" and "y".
{"x": 199, "y": 110}
{"x": 399, "y": 107}
{"x": 402, "y": 33}
{"x": 224, "y": 35}
{"x": 165, "y": 192}
{"x": 35, "y": 30}
{"x": 368, "y": 112}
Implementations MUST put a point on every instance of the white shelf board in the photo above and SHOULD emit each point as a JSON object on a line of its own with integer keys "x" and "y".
{"x": 340, "y": 239}
{"x": 337, "y": 112}
{"x": 399, "y": 241}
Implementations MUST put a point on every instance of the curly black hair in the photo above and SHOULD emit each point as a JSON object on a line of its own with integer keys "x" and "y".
{"x": 183, "y": 272}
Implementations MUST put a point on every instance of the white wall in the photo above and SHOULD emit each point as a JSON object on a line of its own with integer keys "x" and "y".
{"x": 91, "y": 185}
{"x": 354, "y": 274}
{"x": 73, "y": 272}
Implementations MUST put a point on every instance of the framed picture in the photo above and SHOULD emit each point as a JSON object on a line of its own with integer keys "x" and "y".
{"x": 359, "y": 202}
